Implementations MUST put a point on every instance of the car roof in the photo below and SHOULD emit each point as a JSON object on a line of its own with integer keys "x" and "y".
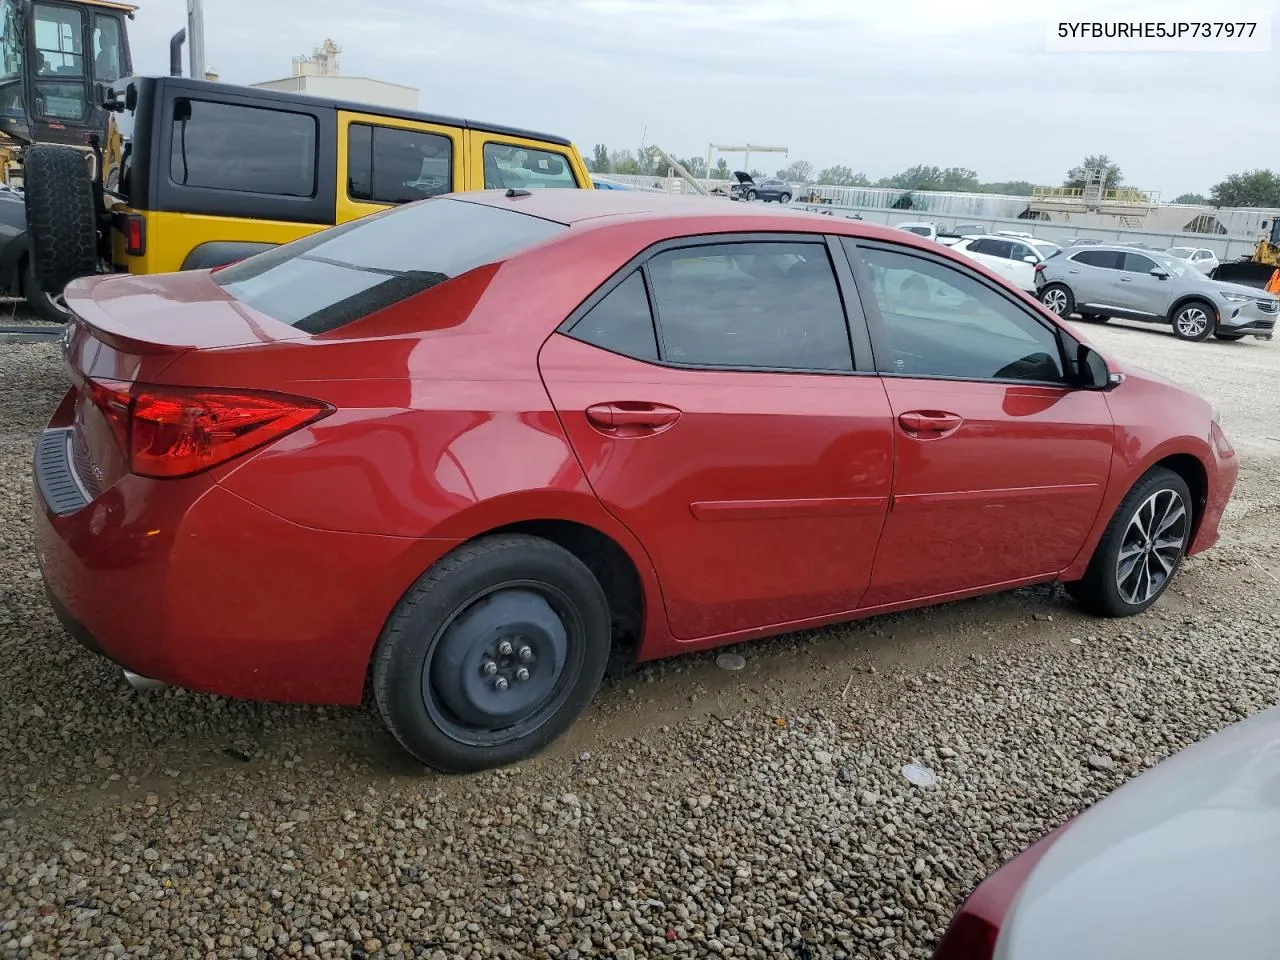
{"x": 284, "y": 98}
{"x": 595, "y": 209}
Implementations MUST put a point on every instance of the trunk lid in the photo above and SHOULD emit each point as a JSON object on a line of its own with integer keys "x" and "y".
{"x": 131, "y": 329}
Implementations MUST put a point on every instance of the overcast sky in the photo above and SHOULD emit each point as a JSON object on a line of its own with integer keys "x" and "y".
{"x": 878, "y": 86}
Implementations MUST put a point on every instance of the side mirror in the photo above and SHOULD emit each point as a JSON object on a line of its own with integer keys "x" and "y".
{"x": 1029, "y": 259}
{"x": 1159, "y": 273}
{"x": 1092, "y": 372}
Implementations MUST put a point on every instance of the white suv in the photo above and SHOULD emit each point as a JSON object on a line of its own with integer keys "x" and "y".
{"x": 1015, "y": 258}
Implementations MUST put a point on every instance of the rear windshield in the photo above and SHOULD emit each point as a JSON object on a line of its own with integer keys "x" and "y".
{"x": 337, "y": 276}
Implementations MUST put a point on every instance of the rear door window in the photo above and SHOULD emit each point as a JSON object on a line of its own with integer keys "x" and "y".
{"x": 226, "y": 146}
{"x": 524, "y": 168}
{"x": 337, "y": 276}
{"x": 395, "y": 165}
{"x": 1107, "y": 259}
{"x": 1137, "y": 263}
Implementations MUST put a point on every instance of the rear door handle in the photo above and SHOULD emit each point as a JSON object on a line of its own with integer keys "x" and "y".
{"x": 929, "y": 423}
{"x": 1126, "y": 279}
{"x": 631, "y": 416}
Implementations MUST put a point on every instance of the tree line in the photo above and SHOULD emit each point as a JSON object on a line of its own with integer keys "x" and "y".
{"x": 1251, "y": 188}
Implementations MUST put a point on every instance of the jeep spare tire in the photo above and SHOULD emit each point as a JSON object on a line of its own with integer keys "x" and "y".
{"x": 61, "y": 216}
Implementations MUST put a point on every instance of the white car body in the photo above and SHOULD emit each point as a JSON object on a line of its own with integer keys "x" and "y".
{"x": 1204, "y": 260}
{"x": 921, "y": 228}
{"x": 1014, "y": 258}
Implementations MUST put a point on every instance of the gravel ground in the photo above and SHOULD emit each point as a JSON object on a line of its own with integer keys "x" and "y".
{"x": 692, "y": 812}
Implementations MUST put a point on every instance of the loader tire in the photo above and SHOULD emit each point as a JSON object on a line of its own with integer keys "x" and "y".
{"x": 61, "y": 216}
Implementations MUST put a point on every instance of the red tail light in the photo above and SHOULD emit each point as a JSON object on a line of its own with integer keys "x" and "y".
{"x": 973, "y": 932}
{"x": 1039, "y": 268}
{"x": 135, "y": 236}
{"x": 171, "y": 432}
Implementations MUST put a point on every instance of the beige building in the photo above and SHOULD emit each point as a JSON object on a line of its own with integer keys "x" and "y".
{"x": 318, "y": 76}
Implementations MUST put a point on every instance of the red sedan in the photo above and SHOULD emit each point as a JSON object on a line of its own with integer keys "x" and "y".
{"x": 465, "y": 449}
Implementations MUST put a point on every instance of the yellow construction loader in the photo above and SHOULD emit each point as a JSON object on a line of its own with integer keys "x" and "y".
{"x": 1262, "y": 267}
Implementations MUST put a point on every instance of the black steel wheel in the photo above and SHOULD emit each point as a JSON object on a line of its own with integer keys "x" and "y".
{"x": 492, "y": 654}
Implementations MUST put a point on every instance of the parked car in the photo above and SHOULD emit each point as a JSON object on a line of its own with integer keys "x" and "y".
{"x": 17, "y": 278}
{"x": 1203, "y": 259}
{"x": 1083, "y": 241}
{"x": 1118, "y": 281}
{"x": 1013, "y": 257}
{"x": 393, "y": 452}
{"x": 1178, "y": 864}
{"x": 920, "y": 228}
{"x": 604, "y": 183}
{"x": 771, "y": 189}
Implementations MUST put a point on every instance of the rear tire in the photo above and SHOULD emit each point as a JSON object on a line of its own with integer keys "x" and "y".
{"x": 1059, "y": 299}
{"x": 1194, "y": 321}
{"x": 1141, "y": 549}
{"x": 1094, "y": 317}
{"x": 62, "y": 221}
{"x": 43, "y": 304}
{"x": 492, "y": 654}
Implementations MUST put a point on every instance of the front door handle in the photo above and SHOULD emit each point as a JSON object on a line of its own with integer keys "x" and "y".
{"x": 929, "y": 423}
{"x": 631, "y": 418}
{"x": 1126, "y": 279}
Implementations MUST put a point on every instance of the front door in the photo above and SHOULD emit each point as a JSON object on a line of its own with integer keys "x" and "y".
{"x": 1000, "y": 467}
{"x": 731, "y": 433}
{"x": 1136, "y": 289}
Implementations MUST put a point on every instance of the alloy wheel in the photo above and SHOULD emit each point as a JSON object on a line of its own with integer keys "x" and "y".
{"x": 1152, "y": 546}
{"x": 1056, "y": 300}
{"x": 1192, "y": 322}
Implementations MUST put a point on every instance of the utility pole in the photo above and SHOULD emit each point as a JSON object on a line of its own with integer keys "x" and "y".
{"x": 195, "y": 36}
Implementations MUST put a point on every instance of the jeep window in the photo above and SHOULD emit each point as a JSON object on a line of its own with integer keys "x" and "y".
{"x": 340, "y": 275}
{"x": 108, "y": 51}
{"x": 60, "y": 86}
{"x": 391, "y": 165}
{"x": 223, "y": 146}
{"x": 524, "y": 168}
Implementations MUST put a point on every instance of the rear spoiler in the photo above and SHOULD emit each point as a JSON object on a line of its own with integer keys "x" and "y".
{"x": 87, "y": 313}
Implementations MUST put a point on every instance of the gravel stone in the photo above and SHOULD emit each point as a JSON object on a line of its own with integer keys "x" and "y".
{"x": 173, "y": 824}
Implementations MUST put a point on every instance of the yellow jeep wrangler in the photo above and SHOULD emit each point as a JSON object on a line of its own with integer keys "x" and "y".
{"x": 197, "y": 174}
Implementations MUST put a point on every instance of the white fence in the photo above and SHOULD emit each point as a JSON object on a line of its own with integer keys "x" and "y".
{"x": 874, "y": 204}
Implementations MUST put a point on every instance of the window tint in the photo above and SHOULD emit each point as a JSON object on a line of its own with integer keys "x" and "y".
{"x": 59, "y": 50}
{"x": 391, "y": 165}
{"x": 344, "y": 273}
{"x": 1107, "y": 259}
{"x": 523, "y": 168}
{"x": 1203, "y": 254}
{"x": 108, "y": 51}
{"x": 742, "y": 305}
{"x": 621, "y": 322}
{"x": 223, "y": 146}
{"x": 1137, "y": 263}
{"x": 942, "y": 322}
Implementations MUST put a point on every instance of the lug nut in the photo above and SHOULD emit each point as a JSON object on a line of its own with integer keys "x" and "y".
{"x": 522, "y": 674}
{"x": 525, "y": 654}
{"x": 489, "y": 668}
{"x": 500, "y": 683}
{"x": 504, "y": 648}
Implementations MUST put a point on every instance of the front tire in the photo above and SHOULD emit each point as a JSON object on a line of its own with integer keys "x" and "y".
{"x": 492, "y": 654}
{"x": 751, "y": 194}
{"x": 1195, "y": 321}
{"x": 785, "y": 198}
{"x": 1059, "y": 299}
{"x": 1141, "y": 549}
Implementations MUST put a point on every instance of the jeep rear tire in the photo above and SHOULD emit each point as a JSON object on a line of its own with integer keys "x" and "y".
{"x": 61, "y": 216}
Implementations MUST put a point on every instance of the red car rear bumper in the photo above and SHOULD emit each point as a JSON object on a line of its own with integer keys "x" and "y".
{"x": 190, "y": 584}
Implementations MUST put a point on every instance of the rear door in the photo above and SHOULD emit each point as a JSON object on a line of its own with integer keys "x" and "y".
{"x": 1091, "y": 274}
{"x": 993, "y": 254}
{"x": 1000, "y": 466}
{"x": 384, "y": 161}
{"x": 714, "y": 399}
